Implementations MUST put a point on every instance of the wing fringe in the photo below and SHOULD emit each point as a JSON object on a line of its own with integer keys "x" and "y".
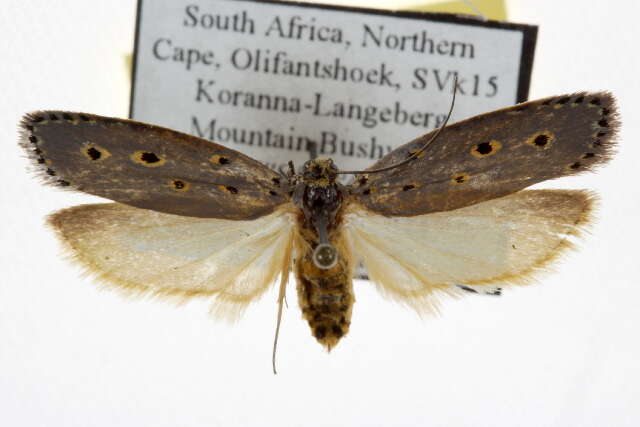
{"x": 610, "y": 113}
{"x": 29, "y": 140}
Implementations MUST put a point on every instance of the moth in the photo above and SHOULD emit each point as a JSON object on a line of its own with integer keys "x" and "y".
{"x": 444, "y": 214}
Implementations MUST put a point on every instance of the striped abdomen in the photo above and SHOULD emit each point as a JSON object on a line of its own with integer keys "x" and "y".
{"x": 325, "y": 296}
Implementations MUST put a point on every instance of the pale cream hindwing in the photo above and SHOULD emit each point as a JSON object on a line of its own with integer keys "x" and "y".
{"x": 502, "y": 241}
{"x": 141, "y": 251}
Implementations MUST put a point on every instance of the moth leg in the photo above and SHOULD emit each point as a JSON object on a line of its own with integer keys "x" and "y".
{"x": 282, "y": 300}
{"x": 292, "y": 170}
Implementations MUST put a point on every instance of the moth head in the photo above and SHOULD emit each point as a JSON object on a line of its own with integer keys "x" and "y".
{"x": 320, "y": 171}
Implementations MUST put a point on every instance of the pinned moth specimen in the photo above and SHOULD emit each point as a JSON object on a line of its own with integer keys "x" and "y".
{"x": 444, "y": 214}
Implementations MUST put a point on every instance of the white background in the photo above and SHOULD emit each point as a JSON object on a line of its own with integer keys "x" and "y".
{"x": 563, "y": 353}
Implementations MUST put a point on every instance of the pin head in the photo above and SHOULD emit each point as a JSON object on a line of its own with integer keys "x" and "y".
{"x": 325, "y": 256}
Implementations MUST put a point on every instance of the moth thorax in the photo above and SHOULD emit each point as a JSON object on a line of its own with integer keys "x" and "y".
{"x": 325, "y": 256}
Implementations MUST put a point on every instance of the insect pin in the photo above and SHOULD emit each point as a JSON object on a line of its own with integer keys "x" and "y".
{"x": 444, "y": 214}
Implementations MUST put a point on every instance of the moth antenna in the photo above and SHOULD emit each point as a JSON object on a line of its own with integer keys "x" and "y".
{"x": 424, "y": 147}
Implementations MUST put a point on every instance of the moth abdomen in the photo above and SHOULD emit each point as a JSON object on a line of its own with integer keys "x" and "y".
{"x": 325, "y": 295}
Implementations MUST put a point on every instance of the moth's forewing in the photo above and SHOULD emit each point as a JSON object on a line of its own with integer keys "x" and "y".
{"x": 149, "y": 166}
{"x": 494, "y": 154}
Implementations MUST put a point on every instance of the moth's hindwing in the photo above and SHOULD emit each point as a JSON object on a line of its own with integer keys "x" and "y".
{"x": 494, "y": 154}
{"x": 149, "y": 166}
{"x": 142, "y": 252}
{"x": 509, "y": 240}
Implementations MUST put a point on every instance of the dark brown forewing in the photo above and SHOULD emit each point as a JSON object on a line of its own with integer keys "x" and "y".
{"x": 493, "y": 155}
{"x": 149, "y": 166}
